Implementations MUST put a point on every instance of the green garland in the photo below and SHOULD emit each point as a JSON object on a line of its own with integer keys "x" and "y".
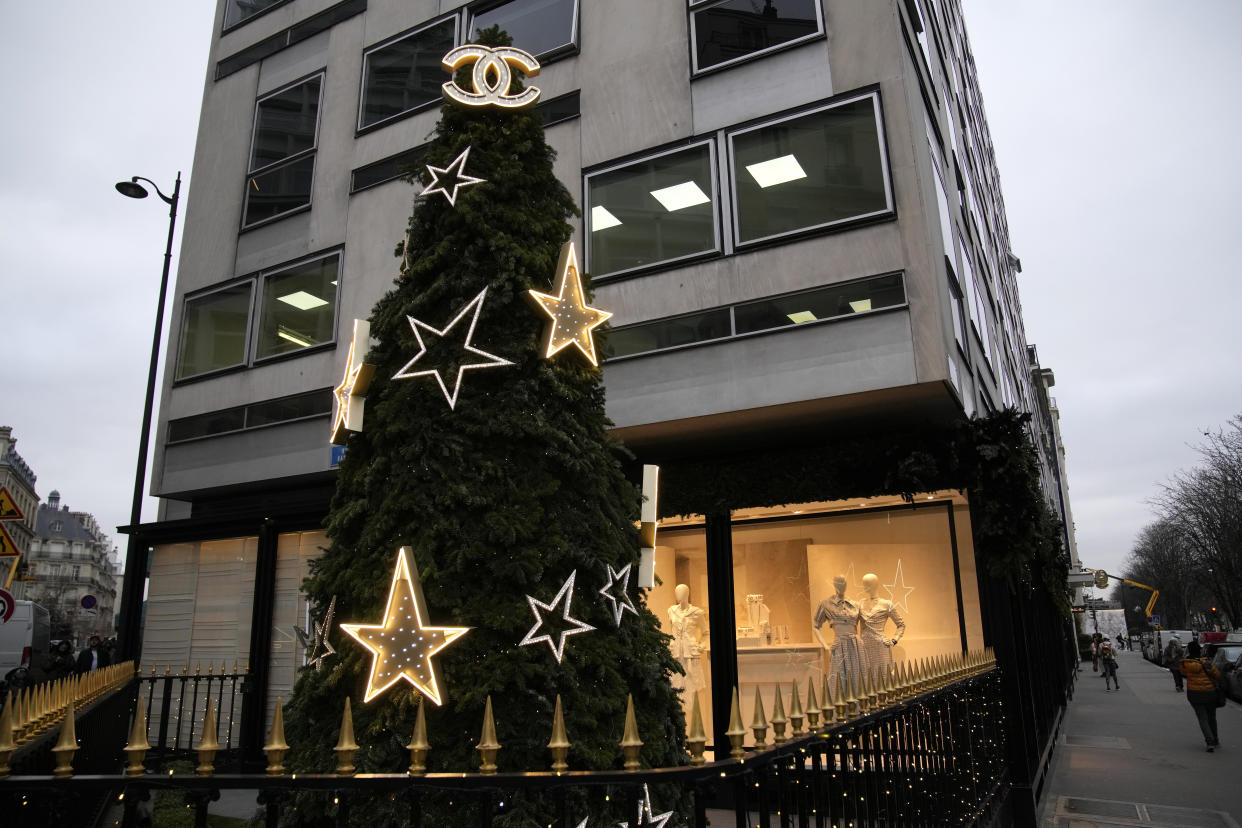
{"x": 1017, "y": 537}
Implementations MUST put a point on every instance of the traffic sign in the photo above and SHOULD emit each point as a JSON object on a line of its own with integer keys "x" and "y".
{"x": 6, "y": 605}
{"x": 8, "y": 548}
{"x": 1154, "y": 620}
{"x": 89, "y": 601}
{"x": 8, "y": 506}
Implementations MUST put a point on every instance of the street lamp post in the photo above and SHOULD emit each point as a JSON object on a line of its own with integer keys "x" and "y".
{"x": 135, "y": 553}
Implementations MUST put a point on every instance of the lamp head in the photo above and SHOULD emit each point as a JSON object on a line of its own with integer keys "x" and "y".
{"x": 131, "y": 188}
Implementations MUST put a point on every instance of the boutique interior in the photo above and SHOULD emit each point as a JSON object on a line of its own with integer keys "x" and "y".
{"x": 787, "y": 562}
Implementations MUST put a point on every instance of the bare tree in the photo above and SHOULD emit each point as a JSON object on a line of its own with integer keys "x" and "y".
{"x": 1161, "y": 558}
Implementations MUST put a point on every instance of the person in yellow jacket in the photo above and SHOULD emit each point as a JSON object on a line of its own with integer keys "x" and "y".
{"x": 1201, "y": 679}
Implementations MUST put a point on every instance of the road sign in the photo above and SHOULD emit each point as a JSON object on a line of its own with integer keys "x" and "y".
{"x": 1101, "y": 579}
{"x": 8, "y": 506}
{"x": 1080, "y": 578}
{"x": 8, "y": 548}
{"x": 89, "y": 601}
{"x": 6, "y": 606}
{"x": 1154, "y": 620}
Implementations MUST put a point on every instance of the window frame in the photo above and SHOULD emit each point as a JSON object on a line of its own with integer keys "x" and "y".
{"x": 717, "y": 214}
{"x": 469, "y": 13}
{"x": 226, "y": 27}
{"x": 695, "y": 7}
{"x": 890, "y": 209}
{"x": 181, "y": 332}
{"x": 260, "y": 281}
{"x": 289, "y": 160}
{"x": 362, "y": 129}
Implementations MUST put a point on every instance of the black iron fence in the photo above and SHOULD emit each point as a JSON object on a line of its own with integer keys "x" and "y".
{"x": 930, "y": 752}
{"x": 177, "y": 704}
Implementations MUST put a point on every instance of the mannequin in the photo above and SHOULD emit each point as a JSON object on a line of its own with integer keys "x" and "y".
{"x": 844, "y": 657}
{"x": 689, "y": 626}
{"x": 874, "y": 613}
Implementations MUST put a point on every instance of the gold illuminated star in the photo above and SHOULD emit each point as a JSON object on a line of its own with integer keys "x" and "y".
{"x": 351, "y": 393}
{"x": 403, "y": 644}
{"x": 572, "y": 319}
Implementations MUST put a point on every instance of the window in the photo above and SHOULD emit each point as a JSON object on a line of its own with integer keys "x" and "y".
{"x": 955, "y": 307}
{"x": 404, "y": 74}
{"x": 541, "y": 27}
{"x": 213, "y": 334}
{"x": 298, "y": 308}
{"x": 657, "y": 210}
{"x": 823, "y": 304}
{"x": 239, "y": 11}
{"x": 733, "y": 30}
{"x": 316, "y": 403}
{"x": 57, "y": 526}
{"x": 76, "y": 572}
{"x": 282, "y": 156}
{"x": 810, "y": 170}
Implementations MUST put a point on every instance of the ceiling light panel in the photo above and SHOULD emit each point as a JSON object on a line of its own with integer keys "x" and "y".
{"x": 302, "y": 300}
{"x": 776, "y": 171}
{"x": 601, "y": 219}
{"x": 680, "y": 196}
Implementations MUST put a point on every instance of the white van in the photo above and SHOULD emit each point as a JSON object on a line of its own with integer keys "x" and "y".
{"x": 24, "y": 637}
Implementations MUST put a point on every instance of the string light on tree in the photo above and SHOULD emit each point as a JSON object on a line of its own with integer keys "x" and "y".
{"x": 472, "y": 309}
{"x": 572, "y": 625}
{"x": 616, "y": 591}
{"x": 351, "y": 393}
{"x": 316, "y": 643}
{"x": 402, "y": 645}
{"x": 448, "y": 180}
{"x": 572, "y": 320}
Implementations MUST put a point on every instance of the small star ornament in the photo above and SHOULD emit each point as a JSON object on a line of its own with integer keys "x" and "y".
{"x": 454, "y": 328}
{"x": 448, "y": 180}
{"x": 647, "y": 815}
{"x": 316, "y": 643}
{"x": 402, "y": 645}
{"x": 351, "y": 393}
{"x": 898, "y": 590}
{"x": 572, "y": 626}
{"x": 616, "y": 592}
{"x": 572, "y": 320}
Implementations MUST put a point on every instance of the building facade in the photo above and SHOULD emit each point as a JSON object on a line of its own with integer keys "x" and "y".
{"x": 19, "y": 480}
{"x": 72, "y": 570}
{"x": 792, "y": 209}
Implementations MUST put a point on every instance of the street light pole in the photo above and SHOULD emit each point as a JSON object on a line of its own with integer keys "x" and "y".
{"x": 129, "y": 631}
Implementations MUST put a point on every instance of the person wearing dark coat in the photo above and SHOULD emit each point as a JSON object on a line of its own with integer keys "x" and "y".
{"x": 93, "y": 657}
{"x": 60, "y": 662}
{"x": 1201, "y": 677}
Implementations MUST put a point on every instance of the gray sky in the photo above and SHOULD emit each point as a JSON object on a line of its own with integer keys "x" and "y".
{"x": 1115, "y": 124}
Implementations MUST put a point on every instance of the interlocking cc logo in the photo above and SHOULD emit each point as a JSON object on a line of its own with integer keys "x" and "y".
{"x": 491, "y": 77}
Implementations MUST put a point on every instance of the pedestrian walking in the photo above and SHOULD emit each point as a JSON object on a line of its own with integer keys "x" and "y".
{"x": 1173, "y": 655}
{"x": 93, "y": 657}
{"x": 1108, "y": 661}
{"x": 1201, "y": 677}
{"x": 60, "y": 662}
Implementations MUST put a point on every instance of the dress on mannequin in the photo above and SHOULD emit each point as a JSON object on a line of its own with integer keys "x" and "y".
{"x": 844, "y": 658}
{"x": 874, "y": 613}
{"x": 689, "y": 626}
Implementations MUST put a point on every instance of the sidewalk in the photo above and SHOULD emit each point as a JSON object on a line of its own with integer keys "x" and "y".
{"x": 1137, "y": 757}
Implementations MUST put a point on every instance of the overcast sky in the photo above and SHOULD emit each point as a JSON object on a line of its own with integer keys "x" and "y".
{"x": 1116, "y": 128}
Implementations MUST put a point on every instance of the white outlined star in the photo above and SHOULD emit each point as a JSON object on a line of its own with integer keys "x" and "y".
{"x": 905, "y": 591}
{"x": 319, "y": 640}
{"x": 567, "y": 595}
{"x": 400, "y": 651}
{"x": 617, "y": 592}
{"x": 572, "y": 319}
{"x": 453, "y": 172}
{"x": 646, "y": 815}
{"x": 490, "y": 360}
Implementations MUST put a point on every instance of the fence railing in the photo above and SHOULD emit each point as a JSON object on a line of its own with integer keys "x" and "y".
{"x": 916, "y": 747}
{"x": 177, "y": 704}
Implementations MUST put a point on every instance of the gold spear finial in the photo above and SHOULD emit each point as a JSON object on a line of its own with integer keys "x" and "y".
{"x": 7, "y": 744}
{"x": 559, "y": 743}
{"x": 276, "y": 745}
{"x": 418, "y": 746}
{"x": 812, "y": 706}
{"x": 207, "y": 743}
{"x": 65, "y": 747}
{"x": 736, "y": 733}
{"x": 796, "y": 716}
{"x": 826, "y": 706}
{"x": 842, "y": 704}
{"x": 779, "y": 721}
{"x": 630, "y": 743}
{"x": 852, "y": 703}
{"x": 345, "y": 744}
{"x": 759, "y": 722}
{"x": 697, "y": 739}
{"x": 136, "y": 750}
{"x": 488, "y": 746}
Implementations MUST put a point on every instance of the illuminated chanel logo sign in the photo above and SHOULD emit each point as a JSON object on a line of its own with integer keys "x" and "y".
{"x": 491, "y": 77}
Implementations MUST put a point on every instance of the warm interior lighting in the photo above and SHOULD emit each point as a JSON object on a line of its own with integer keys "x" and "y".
{"x": 860, "y": 305}
{"x": 286, "y": 334}
{"x": 801, "y": 316}
{"x": 601, "y": 219}
{"x": 302, "y": 300}
{"x": 680, "y": 196}
{"x": 776, "y": 171}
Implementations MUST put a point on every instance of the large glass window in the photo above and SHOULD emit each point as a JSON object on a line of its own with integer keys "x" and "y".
{"x": 404, "y": 74}
{"x": 282, "y": 156}
{"x": 213, "y": 333}
{"x": 810, "y": 170}
{"x": 734, "y": 30}
{"x": 237, "y": 11}
{"x": 298, "y": 307}
{"x": 668, "y": 333}
{"x": 541, "y": 27}
{"x": 657, "y": 210}
{"x": 824, "y": 303}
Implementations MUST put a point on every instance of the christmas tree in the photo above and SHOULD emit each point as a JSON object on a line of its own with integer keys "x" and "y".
{"x": 492, "y": 463}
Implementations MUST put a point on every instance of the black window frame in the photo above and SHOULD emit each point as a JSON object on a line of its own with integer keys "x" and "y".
{"x": 226, "y": 26}
{"x": 562, "y": 50}
{"x": 361, "y": 128}
{"x": 311, "y": 152}
{"x": 696, "y": 7}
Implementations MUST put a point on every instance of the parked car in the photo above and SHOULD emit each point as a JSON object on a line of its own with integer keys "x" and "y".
{"x": 1228, "y": 660}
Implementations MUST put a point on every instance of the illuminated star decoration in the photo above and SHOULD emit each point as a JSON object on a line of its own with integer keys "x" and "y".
{"x": 351, "y": 393}
{"x": 572, "y": 319}
{"x": 319, "y": 640}
{"x": 487, "y": 360}
{"x": 455, "y": 177}
{"x": 574, "y": 626}
{"x": 616, "y": 591}
{"x": 403, "y": 644}
{"x": 646, "y": 815}
{"x": 894, "y": 588}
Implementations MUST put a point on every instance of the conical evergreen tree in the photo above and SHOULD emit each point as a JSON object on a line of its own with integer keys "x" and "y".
{"x": 502, "y": 496}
